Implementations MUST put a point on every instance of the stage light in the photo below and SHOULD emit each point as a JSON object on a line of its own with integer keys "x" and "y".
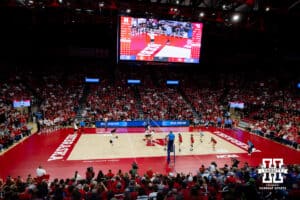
{"x": 128, "y": 10}
{"x": 133, "y": 81}
{"x": 172, "y": 82}
{"x": 179, "y": 2}
{"x": 89, "y": 11}
{"x": 92, "y": 80}
{"x": 227, "y": 6}
{"x": 267, "y": 9}
{"x": 201, "y": 14}
{"x": 236, "y": 17}
{"x": 60, "y": 1}
{"x": 101, "y": 4}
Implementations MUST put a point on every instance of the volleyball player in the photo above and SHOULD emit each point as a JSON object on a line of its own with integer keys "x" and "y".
{"x": 111, "y": 141}
{"x": 147, "y": 134}
{"x": 113, "y": 131}
{"x": 192, "y": 142}
{"x": 214, "y": 142}
{"x": 201, "y": 136}
{"x": 152, "y": 36}
{"x": 179, "y": 141}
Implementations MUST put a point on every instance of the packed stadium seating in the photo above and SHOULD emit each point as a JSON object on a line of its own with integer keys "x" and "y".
{"x": 271, "y": 110}
{"x": 13, "y": 125}
{"x": 210, "y": 182}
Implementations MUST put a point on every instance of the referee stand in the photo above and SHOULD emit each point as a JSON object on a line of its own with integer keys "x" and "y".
{"x": 171, "y": 158}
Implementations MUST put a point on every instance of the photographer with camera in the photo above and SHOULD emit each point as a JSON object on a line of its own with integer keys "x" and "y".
{"x": 250, "y": 147}
{"x": 134, "y": 168}
{"x": 235, "y": 162}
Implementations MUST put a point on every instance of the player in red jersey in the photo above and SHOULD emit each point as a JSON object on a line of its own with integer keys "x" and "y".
{"x": 214, "y": 142}
{"x": 179, "y": 141}
{"x": 192, "y": 142}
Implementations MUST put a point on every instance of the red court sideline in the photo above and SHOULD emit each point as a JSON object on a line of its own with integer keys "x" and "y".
{"x": 52, "y": 152}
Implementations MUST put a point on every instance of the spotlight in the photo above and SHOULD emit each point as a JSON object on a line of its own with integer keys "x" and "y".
{"x": 267, "y": 9}
{"x": 201, "y": 14}
{"x": 89, "y": 11}
{"x": 235, "y": 17}
{"x": 128, "y": 10}
{"x": 101, "y": 4}
{"x": 227, "y": 6}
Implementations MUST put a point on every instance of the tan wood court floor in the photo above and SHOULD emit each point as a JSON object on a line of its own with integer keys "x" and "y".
{"x": 133, "y": 145}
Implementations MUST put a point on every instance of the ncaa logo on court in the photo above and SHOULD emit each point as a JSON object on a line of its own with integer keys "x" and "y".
{"x": 272, "y": 170}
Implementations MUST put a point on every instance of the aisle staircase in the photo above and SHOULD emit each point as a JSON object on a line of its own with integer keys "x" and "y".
{"x": 195, "y": 113}
{"x": 82, "y": 101}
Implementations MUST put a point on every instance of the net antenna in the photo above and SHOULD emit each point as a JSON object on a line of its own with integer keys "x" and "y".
{"x": 158, "y": 127}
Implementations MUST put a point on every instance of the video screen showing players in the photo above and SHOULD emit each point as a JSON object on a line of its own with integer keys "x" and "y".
{"x": 144, "y": 39}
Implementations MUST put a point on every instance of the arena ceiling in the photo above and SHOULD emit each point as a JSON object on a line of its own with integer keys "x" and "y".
{"x": 267, "y": 27}
{"x": 200, "y": 10}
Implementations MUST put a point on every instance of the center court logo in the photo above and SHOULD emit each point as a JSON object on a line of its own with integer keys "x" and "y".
{"x": 272, "y": 170}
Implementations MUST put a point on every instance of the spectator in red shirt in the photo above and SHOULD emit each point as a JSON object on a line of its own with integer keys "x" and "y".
{"x": 149, "y": 173}
{"x": 110, "y": 174}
